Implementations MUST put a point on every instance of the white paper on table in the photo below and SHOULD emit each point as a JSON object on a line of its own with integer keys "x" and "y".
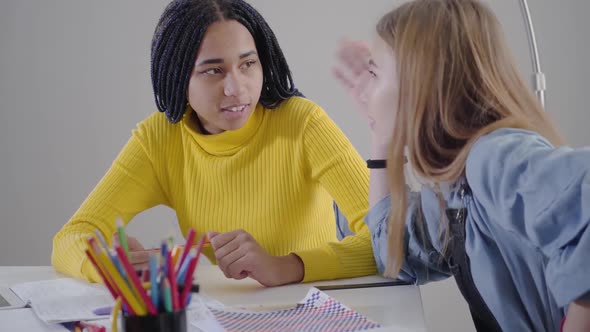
{"x": 199, "y": 300}
{"x": 314, "y": 313}
{"x": 200, "y": 318}
{"x": 26, "y": 320}
{"x": 64, "y": 300}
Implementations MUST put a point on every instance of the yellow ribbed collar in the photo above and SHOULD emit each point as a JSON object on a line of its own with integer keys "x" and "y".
{"x": 228, "y": 142}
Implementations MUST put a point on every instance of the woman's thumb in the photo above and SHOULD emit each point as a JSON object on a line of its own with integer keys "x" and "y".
{"x": 211, "y": 235}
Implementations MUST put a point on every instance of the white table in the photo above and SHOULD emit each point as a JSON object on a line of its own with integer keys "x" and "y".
{"x": 397, "y": 308}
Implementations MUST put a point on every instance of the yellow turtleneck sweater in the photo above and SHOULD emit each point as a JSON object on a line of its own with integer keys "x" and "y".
{"x": 276, "y": 178}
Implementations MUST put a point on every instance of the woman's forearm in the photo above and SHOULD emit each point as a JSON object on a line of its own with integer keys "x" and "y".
{"x": 578, "y": 317}
{"x": 378, "y": 182}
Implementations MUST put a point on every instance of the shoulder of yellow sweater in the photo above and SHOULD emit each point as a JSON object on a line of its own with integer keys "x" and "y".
{"x": 298, "y": 111}
{"x": 155, "y": 130}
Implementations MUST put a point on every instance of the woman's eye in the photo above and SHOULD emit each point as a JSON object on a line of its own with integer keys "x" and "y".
{"x": 249, "y": 64}
{"x": 212, "y": 71}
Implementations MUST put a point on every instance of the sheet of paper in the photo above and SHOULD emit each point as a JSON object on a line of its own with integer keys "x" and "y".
{"x": 203, "y": 320}
{"x": 26, "y": 320}
{"x": 199, "y": 301}
{"x": 316, "y": 312}
{"x": 64, "y": 300}
{"x": 198, "y": 311}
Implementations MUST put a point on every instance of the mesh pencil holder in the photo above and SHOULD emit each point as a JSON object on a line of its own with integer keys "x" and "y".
{"x": 162, "y": 322}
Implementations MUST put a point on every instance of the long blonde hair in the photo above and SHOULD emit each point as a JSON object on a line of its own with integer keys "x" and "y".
{"x": 458, "y": 81}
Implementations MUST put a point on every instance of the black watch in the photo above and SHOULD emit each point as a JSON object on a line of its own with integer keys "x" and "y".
{"x": 376, "y": 163}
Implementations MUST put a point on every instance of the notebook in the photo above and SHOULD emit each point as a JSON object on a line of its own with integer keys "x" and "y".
{"x": 25, "y": 320}
{"x": 64, "y": 300}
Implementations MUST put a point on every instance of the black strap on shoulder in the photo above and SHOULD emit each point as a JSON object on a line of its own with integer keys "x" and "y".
{"x": 459, "y": 265}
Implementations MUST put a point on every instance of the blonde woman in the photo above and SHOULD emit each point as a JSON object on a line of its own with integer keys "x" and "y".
{"x": 505, "y": 206}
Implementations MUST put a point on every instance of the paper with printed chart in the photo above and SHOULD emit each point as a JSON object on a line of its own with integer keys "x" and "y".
{"x": 316, "y": 312}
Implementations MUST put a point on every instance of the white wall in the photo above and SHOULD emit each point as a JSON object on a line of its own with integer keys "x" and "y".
{"x": 74, "y": 81}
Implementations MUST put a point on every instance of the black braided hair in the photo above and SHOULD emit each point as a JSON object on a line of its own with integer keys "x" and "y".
{"x": 176, "y": 41}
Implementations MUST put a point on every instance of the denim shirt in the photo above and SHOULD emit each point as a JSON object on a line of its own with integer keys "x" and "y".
{"x": 527, "y": 234}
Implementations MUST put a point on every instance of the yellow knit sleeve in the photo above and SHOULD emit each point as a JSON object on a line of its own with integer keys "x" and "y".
{"x": 336, "y": 164}
{"x": 130, "y": 186}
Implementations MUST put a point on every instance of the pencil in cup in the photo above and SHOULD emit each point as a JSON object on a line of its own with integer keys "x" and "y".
{"x": 168, "y": 318}
{"x": 118, "y": 282}
{"x": 175, "y": 321}
{"x": 195, "y": 246}
{"x": 145, "y": 302}
{"x": 116, "y": 258}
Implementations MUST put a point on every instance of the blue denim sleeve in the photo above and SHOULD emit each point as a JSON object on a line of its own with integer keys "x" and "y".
{"x": 422, "y": 262}
{"x": 541, "y": 194}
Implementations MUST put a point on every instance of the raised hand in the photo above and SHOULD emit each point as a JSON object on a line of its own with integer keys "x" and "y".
{"x": 354, "y": 74}
{"x": 371, "y": 78}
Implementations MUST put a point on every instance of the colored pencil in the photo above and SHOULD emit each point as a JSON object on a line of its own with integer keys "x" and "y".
{"x": 122, "y": 236}
{"x": 187, "y": 246}
{"x": 173, "y": 287}
{"x": 166, "y": 295}
{"x": 135, "y": 283}
{"x": 154, "y": 279}
{"x": 188, "y": 280}
{"x": 101, "y": 273}
{"x": 124, "y": 290}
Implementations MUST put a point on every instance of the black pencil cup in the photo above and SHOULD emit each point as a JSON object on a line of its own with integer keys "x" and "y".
{"x": 162, "y": 322}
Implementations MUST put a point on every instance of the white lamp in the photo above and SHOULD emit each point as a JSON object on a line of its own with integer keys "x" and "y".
{"x": 539, "y": 83}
